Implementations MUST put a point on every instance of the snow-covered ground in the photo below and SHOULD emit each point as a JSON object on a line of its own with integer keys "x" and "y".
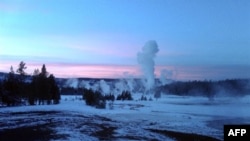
{"x": 130, "y": 120}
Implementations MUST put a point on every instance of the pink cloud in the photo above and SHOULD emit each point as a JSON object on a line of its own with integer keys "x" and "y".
{"x": 67, "y": 70}
{"x": 77, "y": 70}
{"x": 92, "y": 71}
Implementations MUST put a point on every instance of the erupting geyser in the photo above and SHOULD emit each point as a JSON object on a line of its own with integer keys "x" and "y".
{"x": 146, "y": 61}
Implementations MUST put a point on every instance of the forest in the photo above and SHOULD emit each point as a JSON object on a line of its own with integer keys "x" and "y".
{"x": 17, "y": 88}
{"x": 21, "y": 89}
{"x": 210, "y": 89}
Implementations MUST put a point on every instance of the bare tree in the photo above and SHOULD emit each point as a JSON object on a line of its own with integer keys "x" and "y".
{"x": 21, "y": 68}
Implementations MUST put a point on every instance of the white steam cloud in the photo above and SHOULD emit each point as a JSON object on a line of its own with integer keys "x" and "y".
{"x": 85, "y": 84}
{"x": 72, "y": 82}
{"x": 119, "y": 87}
{"x": 104, "y": 87}
{"x": 165, "y": 74}
{"x": 146, "y": 61}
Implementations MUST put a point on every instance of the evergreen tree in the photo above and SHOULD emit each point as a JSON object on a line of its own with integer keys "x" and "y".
{"x": 44, "y": 72}
{"x": 21, "y": 80}
{"x": 1, "y": 92}
{"x": 40, "y": 85}
{"x": 36, "y": 72}
{"x": 125, "y": 95}
{"x": 10, "y": 89}
{"x": 44, "y": 87}
{"x": 12, "y": 70}
{"x": 11, "y": 83}
{"x": 94, "y": 98}
{"x": 21, "y": 71}
{"x": 33, "y": 97}
{"x": 54, "y": 89}
{"x": 15, "y": 89}
{"x": 21, "y": 68}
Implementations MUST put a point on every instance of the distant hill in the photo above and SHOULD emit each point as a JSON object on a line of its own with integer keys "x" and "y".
{"x": 2, "y": 75}
{"x": 228, "y": 87}
{"x": 233, "y": 87}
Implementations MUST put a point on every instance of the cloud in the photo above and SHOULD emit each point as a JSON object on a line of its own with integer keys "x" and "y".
{"x": 92, "y": 71}
{"x": 69, "y": 69}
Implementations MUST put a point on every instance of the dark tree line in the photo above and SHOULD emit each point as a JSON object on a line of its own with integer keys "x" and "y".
{"x": 233, "y": 87}
{"x": 96, "y": 99}
{"x": 71, "y": 90}
{"x": 45, "y": 89}
{"x": 125, "y": 95}
{"x": 21, "y": 89}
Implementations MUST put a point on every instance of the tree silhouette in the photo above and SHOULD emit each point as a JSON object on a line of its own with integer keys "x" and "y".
{"x": 54, "y": 89}
{"x": 36, "y": 72}
{"x": 94, "y": 98}
{"x": 15, "y": 90}
{"x": 11, "y": 89}
{"x": 45, "y": 89}
{"x": 125, "y": 95}
{"x": 21, "y": 70}
{"x": 44, "y": 72}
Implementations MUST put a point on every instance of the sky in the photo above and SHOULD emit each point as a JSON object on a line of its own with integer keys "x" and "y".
{"x": 197, "y": 39}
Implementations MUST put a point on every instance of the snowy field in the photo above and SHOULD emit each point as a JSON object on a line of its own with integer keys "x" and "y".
{"x": 168, "y": 118}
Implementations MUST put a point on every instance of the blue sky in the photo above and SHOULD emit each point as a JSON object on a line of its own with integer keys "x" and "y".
{"x": 208, "y": 34}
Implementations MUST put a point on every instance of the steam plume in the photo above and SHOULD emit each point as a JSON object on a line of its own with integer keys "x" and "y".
{"x": 164, "y": 75}
{"x": 145, "y": 59}
{"x": 104, "y": 87}
{"x": 72, "y": 82}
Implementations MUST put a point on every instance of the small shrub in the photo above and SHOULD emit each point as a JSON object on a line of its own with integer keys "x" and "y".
{"x": 126, "y": 95}
{"x": 94, "y": 98}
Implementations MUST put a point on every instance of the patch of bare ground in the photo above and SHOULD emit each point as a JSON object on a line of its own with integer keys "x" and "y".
{"x": 30, "y": 133}
{"x": 56, "y": 125}
{"x": 179, "y": 136}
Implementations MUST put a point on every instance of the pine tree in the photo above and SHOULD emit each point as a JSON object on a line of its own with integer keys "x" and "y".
{"x": 45, "y": 88}
{"x": 21, "y": 71}
{"x": 36, "y": 72}
{"x": 21, "y": 79}
{"x": 34, "y": 88}
{"x": 11, "y": 83}
{"x": 21, "y": 68}
{"x": 44, "y": 72}
{"x": 10, "y": 89}
{"x": 12, "y": 70}
{"x": 54, "y": 90}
